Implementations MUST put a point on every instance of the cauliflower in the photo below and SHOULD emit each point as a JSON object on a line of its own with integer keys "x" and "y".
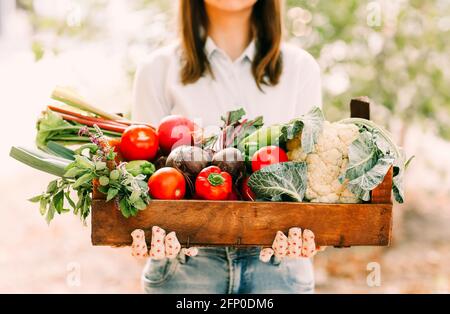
{"x": 327, "y": 163}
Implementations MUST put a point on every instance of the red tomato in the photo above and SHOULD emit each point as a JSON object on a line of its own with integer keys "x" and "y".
{"x": 139, "y": 142}
{"x": 267, "y": 156}
{"x": 167, "y": 184}
{"x": 174, "y": 131}
{"x": 247, "y": 193}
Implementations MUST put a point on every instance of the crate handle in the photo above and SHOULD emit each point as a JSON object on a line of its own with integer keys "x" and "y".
{"x": 360, "y": 107}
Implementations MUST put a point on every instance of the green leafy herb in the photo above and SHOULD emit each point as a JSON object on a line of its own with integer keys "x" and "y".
{"x": 111, "y": 194}
{"x": 138, "y": 167}
{"x": 116, "y": 182}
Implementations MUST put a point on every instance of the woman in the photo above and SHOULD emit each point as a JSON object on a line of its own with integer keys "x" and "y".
{"x": 230, "y": 55}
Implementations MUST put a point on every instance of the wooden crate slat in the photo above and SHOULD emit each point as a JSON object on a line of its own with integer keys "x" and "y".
{"x": 382, "y": 194}
{"x": 246, "y": 223}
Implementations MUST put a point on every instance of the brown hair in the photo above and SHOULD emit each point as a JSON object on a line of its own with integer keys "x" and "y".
{"x": 267, "y": 26}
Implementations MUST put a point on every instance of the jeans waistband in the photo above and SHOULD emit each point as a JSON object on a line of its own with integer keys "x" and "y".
{"x": 233, "y": 252}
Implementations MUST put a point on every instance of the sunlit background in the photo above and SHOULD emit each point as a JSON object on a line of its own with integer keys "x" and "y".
{"x": 396, "y": 52}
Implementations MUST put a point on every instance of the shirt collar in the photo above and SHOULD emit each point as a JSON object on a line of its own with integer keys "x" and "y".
{"x": 211, "y": 48}
{"x": 249, "y": 52}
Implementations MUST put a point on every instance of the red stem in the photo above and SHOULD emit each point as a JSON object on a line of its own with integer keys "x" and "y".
{"x": 235, "y": 132}
{"x": 119, "y": 123}
{"x": 101, "y": 125}
{"x": 84, "y": 117}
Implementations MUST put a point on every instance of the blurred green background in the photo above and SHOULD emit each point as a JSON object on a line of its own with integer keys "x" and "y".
{"x": 396, "y": 52}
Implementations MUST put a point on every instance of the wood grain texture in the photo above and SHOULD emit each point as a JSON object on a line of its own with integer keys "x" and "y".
{"x": 245, "y": 223}
{"x": 382, "y": 194}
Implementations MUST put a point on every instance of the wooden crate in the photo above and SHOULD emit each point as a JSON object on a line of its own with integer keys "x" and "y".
{"x": 239, "y": 223}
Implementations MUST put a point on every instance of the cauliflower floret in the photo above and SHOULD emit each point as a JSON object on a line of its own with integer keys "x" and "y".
{"x": 347, "y": 133}
{"x": 327, "y": 163}
{"x": 329, "y": 138}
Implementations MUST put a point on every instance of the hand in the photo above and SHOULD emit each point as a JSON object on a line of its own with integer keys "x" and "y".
{"x": 295, "y": 245}
{"x": 162, "y": 245}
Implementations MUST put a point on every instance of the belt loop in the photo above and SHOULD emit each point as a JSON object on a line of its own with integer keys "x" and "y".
{"x": 276, "y": 261}
{"x": 182, "y": 258}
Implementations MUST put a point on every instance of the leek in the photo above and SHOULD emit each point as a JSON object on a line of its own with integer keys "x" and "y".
{"x": 40, "y": 160}
{"x": 60, "y": 150}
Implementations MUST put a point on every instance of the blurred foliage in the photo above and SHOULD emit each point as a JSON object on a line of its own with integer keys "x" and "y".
{"x": 63, "y": 18}
{"x": 396, "y": 52}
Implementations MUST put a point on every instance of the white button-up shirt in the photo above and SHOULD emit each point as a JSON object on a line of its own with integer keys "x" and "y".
{"x": 158, "y": 90}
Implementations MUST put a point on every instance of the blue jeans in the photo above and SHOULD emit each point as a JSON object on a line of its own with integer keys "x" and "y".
{"x": 221, "y": 270}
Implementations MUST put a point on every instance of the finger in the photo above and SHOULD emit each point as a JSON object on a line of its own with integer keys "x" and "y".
{"x": 139, "y": 247}
{"x": 309, "y": 245}
{"x": 157, "y": 250}
{"x": 265, "y": 255}
{"x": 321, "y": 248}
{"x": 294, "y": 242}
{"x": 280, "y": 245}
{"x": 172, "y": 245}
{"x": 192, "y": 251}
